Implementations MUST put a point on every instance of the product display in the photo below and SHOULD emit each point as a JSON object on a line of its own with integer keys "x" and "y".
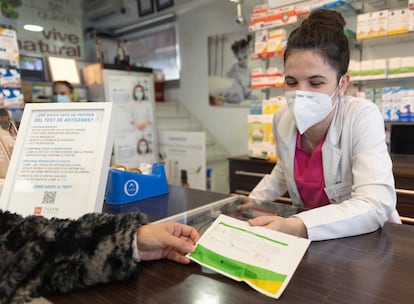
{"x": 11, "y": 96}
{"x": 374, "y": 71}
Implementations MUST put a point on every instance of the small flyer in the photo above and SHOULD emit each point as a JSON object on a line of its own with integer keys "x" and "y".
{"x": 263, "y": 258}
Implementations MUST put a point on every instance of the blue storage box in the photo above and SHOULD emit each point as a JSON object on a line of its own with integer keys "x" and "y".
{"x": 125, "y": 186}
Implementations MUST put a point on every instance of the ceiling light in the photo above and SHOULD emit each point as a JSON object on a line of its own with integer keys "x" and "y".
{"x": 33, "y": 28}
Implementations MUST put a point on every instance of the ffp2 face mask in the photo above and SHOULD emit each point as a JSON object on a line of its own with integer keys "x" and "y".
{"x": 308, "y": 108}
{"x": 61, "y": 98}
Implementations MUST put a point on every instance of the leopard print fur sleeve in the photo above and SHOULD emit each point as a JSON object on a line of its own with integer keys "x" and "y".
{"x": 40, "y": 256}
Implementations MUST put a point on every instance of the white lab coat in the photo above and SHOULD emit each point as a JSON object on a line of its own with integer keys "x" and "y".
{"x": 357, "y": 171}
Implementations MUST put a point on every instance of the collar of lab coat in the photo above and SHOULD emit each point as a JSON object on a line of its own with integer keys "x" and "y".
{"x": 331, "y": 152}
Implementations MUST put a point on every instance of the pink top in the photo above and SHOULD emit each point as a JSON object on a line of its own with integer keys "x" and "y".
{"x": 309, "y": 175}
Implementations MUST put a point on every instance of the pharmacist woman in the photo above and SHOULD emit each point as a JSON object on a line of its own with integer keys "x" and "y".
{"x": 332, "y": 155}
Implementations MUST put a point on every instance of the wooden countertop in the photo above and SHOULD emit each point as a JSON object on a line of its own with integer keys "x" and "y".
{"x": 371, "y": 268}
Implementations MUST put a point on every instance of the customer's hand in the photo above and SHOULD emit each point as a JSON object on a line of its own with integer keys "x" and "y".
{"x": 292, "y": 225}
{"x": 245, "y": 202}
{"x": 168, "y": 240}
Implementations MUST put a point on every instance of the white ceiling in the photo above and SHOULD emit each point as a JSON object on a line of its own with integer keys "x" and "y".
{"x": 130, "y": 14}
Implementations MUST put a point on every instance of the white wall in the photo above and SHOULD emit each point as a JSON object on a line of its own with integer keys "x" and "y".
{"x": 227, "y": 124}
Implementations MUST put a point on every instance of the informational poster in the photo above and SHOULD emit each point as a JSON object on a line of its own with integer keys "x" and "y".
{"x": 230, "y": 68}
{"x": 61, "y": 159}
{"x": 132, "y": 94}
{"x": 184, "y": 156}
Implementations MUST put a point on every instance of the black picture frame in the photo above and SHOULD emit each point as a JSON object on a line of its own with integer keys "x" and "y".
{"x": 164, "y": 4}
{"x": 145, "y": 7}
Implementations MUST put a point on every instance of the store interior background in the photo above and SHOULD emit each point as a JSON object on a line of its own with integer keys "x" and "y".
{"x": 195, "y": 21}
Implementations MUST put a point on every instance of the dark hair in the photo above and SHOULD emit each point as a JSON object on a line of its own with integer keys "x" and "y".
{"x": 322, "y": 31}
{"x": 147, "y": 150}
{"x": 4, "y": 113}
{"x": 65, "y": 83}
{"x": 241, "y": 44}
{"x": 143, "y": 91}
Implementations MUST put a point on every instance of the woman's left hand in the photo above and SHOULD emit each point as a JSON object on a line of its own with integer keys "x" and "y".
{"x": 292, "y": 225}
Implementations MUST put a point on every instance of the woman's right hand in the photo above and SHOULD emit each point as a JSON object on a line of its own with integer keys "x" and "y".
{"x": 170, "y": 240}
{"x": 244, "y": 201}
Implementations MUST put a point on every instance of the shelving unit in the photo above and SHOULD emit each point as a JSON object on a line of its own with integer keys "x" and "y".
{"x": 389, "y": 39}
{"x": 245, "y": 172}
{"x": 268, "y": 55}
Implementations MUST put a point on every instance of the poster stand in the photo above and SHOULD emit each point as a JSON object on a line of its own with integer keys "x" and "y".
{"x": 60, "y": 161}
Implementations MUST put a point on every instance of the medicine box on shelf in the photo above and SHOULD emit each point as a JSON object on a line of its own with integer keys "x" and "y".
{"x": 125, "y": 186}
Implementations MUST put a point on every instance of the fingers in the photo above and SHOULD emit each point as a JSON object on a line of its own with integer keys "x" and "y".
{"x": 179, "y": 237}
{"x": 244, "y": 207}
{"x": 262, "y": 220}
{"x": 178, "y": 257}
{"x": 292, "y": 225}
{"x": 188, "y": 232}
{"x": 180, "y": 241}
{"x": 246, "y": 201}
{"x": 179, "y": 244}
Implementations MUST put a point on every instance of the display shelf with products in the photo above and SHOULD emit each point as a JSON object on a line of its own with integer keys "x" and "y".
{"x": 11, "y": 95}
{"x": 380, "y": 63}
{"x": 274, "y": 54}
{"x": 246, "y": 172}
{"x": 266, "y": 78}
{"x": 398, "y": 80}
{"x": 382, "y": 69}
{"x": 388, "y": 39}
{"x": 271, "y": 27}
{"x": 387, "y": 24}
{"x": 265, "y": 18}
{"x": 385, "y": 71}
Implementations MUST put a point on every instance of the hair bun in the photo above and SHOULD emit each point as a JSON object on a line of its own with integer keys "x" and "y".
{"x": 324, "y": 17}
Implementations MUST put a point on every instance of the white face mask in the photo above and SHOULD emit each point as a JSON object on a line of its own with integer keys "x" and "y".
{"x": 309, "y": 108}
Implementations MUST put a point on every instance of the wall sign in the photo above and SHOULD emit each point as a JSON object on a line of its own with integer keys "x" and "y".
{"x": 62, "y": 22}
